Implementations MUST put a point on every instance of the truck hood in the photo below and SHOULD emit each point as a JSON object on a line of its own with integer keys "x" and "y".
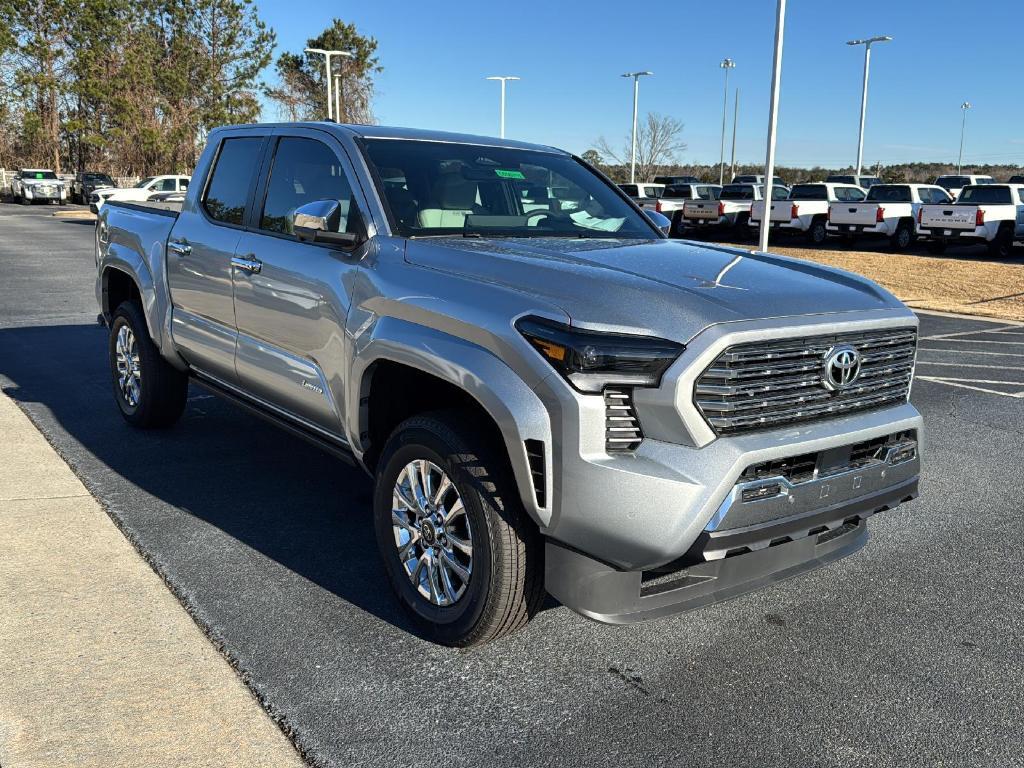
{"x": 669, "y": 288}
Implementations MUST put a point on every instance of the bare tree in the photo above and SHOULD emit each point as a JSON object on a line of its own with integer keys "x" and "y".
{"x": 658, "y": 143}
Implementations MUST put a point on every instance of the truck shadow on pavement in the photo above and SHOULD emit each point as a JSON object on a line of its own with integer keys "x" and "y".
{"x": 283, "y": 499}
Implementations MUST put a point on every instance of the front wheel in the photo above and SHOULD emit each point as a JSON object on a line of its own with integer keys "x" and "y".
{"x": 149, "y": 391}
{"x": 458, "y": 548}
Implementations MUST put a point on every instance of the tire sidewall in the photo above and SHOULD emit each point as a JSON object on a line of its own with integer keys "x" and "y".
{"x": 448, "y": 623}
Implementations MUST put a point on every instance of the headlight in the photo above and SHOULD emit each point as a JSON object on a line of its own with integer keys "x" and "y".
{"x": 590, "y": 360}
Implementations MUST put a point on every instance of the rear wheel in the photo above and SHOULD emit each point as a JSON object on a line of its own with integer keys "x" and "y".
{"x": 936, "y": 247}
{"x": 903, "y": 236}
{"x": 817, "y": 234}
{"x": 149, "y": 391}
{"x": 458, "y": 548}
{"x": 1002, "y": 245}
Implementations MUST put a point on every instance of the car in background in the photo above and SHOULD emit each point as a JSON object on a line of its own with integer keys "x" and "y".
{"x": 862, "y": 181}
{"x": 142, "y": 191}
{"x": 667, "y": 180}
{"x": 644, "y": 193}
{"x": 806, "y": 209}
{"x": 992, "y": 214}
{"x": 730, "y": 212}
{"x": 84, "y": 184}
{"x": 1016, "y": 180}
{"x": 889, "y": 210}
{"x": 751, "y": 178}
{"x": 954, "y": 183}
{"x": 31, "y": 185}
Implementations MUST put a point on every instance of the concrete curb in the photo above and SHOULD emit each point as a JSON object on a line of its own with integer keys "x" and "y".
{"x": 101, "y": 666}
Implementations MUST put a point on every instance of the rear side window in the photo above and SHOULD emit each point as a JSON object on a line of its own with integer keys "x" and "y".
{"x": 304, "y": 171}
{"x": 809, "y": 192}
{"x": 1020, "y": 195}
{"x": 986, "y": 194}
{"x": 779, "y": 193}
{"x": 892, "y": 193}
{"x": 654, "y": 191}
{"x": 232, "y": 179}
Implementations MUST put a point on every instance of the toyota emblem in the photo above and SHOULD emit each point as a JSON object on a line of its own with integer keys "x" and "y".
{"x": 841, "y": 367}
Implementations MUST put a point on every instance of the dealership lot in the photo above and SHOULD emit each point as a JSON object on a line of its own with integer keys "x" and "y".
{"x": 908, "y": 653}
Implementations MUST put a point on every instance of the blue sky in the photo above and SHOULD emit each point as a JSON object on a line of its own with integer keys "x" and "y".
{"x": 570, "y": 55}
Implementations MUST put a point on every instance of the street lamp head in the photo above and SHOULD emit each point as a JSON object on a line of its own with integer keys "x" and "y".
{"x": 869, "y": 40}
{"x": 965, "y": 105}
{"x": 727, "y": 64}
{"x": 502, "y": 77}
{"x": 637, "y": 74}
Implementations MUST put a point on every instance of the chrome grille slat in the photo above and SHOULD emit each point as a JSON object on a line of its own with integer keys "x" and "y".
{"x": 765, "y": 384}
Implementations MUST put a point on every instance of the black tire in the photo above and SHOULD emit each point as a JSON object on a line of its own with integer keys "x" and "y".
{"x": 1001, "y": 246}
{"x": 817, "y": 234}
{"x": 505, "y": 585}
{"x": 162, "y": 389}
{"x": 903, "y": 237}
{"x": 936, "y": 247}
{"x": 741, "y": 227}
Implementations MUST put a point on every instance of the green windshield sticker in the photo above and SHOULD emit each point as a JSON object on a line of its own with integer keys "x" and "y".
{"x": 39, "y": 175}
{"x": 502, "y": 173}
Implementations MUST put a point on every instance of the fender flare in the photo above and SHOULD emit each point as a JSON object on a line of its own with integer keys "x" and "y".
{"x": 513, "y": 406}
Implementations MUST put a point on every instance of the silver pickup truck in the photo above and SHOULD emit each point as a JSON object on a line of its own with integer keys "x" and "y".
{"x": 549, "y": 395}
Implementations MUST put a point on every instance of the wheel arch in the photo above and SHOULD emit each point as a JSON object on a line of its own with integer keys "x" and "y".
{"x": 411, "y": 369}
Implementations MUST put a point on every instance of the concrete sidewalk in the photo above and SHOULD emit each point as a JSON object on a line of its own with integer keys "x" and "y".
{"x": 99, "y": 664}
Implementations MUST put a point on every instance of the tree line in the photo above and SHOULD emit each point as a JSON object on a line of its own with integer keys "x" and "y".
{"x": 132, "y": 87}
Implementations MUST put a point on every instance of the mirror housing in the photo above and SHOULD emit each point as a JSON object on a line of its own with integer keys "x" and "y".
{"x": 317, "y": 222}
{"x": 660, "y": 220}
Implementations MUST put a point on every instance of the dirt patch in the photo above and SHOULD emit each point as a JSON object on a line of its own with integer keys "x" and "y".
{"x": 963, "y": 280}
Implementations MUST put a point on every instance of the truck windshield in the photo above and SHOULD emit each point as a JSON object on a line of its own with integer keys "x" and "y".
{"x": 437, "y": 188}
{"x": 889, "y": 193}
{"x": 809, "y": 192}
{"x": 144, "y": 182}
{"x": 100, "y": 177}
{"x": 985, "y": 194}
{"x": 737, "y": 192}
{"x": 44, "y": 175}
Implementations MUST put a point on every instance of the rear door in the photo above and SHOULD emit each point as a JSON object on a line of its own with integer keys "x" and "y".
{"x": 291, "y": 303}
{"x": 199, "y": 253}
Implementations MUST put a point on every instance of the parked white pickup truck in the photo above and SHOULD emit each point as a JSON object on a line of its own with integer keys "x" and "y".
{"x": 806, "y": 208}
{"x": 989, "y": 213}
{"x": 731, "y": 210}
{"x": 144, "y": 190}
{"x": 953, "y": 184}
{"x": 890, "y": 210}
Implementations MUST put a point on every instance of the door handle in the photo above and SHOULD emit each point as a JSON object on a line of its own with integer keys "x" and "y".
{"x": 248, "y": 264}
{"x": 179, "y": 247}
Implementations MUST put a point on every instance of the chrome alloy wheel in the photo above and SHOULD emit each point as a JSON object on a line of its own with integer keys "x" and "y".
{"x": 432, "y": 532}
{"x": 129, "y": 376}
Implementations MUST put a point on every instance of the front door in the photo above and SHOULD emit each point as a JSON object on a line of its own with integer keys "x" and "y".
{"x": 290, "y": 297}
{"x": 199, "y": 253}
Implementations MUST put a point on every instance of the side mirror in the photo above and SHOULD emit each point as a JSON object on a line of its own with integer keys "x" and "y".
{"x": 660, "y": 220}
{"x": 318, "y": 222}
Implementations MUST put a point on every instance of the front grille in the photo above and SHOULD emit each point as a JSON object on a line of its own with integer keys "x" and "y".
{"x": 766, "y": 384}
{"x": 622, "y": 428}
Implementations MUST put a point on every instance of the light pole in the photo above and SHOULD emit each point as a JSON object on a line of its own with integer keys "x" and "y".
{"x": 636, "y": 100}
{"x": 735, "y": 118}
{"x": 864, "y": 94}
{"x": 327, "y": 71}
{"x": 504, "y": 79}
{"x": 963, "y": 129}
{"x": 773, "y": 113}
{"x": 726, "y": 64}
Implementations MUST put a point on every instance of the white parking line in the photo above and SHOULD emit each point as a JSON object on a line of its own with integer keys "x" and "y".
{"x": 971, "y": 352}
{"x": 1003, "y": 329}
{"x": 968, "y": 365}
{"x": 961, "y": 383}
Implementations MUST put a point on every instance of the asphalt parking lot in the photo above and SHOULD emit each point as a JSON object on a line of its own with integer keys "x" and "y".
{"x": 909, "y": 653}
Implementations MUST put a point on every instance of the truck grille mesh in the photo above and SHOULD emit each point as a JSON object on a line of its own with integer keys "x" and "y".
{"x": 765, "y": 384}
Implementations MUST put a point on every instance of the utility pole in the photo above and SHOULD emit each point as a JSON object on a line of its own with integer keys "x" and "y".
{"x": 636, "y": 101}
{"x": 329, "y": 73}
{"x": 963, "y": 129}
{"x": 773, "y": 113}
{"x": 726, "y": 64}
{"x": 735, "y": 118}
{"x": 864, "y": 92}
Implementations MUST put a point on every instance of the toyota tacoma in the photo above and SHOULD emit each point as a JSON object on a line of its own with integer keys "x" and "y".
{"x": 548, "y": 395}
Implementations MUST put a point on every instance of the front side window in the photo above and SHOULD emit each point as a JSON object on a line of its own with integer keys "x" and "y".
{"x": 231, "y": 179}
{"x": 305, "y": 171}
{"x": 183, "y": 184}
{"x": 164, "y": 185}
{"x": 437, "y": 188}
